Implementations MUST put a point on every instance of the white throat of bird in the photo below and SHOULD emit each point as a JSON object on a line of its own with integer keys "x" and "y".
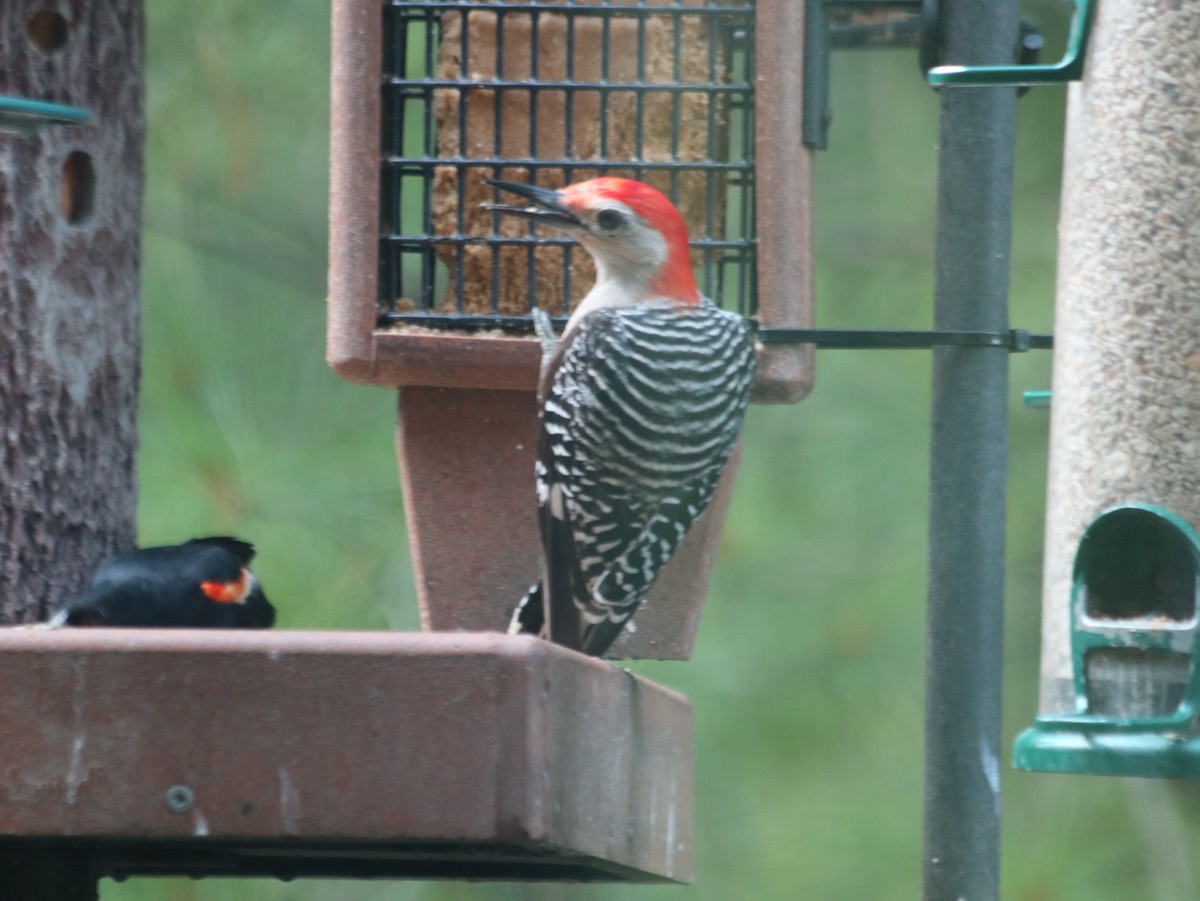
{"x": 626, "y": 264}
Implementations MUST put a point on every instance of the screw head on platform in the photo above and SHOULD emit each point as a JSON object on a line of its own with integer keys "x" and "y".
{"x": 179, "y": 799}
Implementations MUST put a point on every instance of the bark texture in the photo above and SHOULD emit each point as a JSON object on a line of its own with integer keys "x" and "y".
{"x": 70, "y": 219}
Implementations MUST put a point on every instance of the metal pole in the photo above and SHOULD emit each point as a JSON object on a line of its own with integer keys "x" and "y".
{"x": 967, "y": 486}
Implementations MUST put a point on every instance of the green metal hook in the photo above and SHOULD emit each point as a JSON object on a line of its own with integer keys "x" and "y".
{"x": 1036, "y": 400}
{"x": 1069, "y": 68}
{"x": 23, "y": 117}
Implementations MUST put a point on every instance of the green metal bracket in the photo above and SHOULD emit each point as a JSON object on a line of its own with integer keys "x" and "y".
{"x": 1051, "y": 748}
{"x": 1036, "y": 400}
{"x": 1069, "y": 68}
{"x": 19, "y": 116}
{"x": 1133, "y": 606}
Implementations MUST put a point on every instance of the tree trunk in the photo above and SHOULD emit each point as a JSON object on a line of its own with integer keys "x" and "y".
{"x": 70, "y": 218}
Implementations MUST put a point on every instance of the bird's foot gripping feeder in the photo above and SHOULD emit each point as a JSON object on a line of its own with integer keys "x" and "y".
{"x": 1134, "y": 647}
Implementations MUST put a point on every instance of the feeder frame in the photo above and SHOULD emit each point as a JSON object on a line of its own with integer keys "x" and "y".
{"x": 363, "y": 352}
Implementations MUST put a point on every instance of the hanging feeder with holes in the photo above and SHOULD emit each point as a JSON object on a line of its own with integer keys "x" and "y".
{"x": 1120, "y": 683}
{"x": 428, "y": 294}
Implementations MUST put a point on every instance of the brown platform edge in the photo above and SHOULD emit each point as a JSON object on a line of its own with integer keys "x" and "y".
{"x": 464, "y": 755}
{"x": 456, "y": 361}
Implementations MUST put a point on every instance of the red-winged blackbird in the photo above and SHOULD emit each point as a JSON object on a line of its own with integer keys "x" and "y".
{"x": 204, "y": 583}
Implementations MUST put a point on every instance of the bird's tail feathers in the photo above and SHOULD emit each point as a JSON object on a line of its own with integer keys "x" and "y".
{"x": 529, "y": 616}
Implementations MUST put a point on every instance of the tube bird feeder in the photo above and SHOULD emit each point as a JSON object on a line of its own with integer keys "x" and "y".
{"x": 1120, "y": 681}
{"x": 431, "y": 296}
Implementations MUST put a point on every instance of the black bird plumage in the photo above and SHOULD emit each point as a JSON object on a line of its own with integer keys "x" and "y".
{"x": 203, "y": 583}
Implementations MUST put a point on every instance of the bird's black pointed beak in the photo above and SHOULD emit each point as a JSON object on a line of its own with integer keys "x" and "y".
{"x": 546, "y": 205}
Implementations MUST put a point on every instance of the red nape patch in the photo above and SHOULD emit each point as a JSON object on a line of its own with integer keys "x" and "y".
{"x": 227, "y": 592}
{"x": 675, "y": 279}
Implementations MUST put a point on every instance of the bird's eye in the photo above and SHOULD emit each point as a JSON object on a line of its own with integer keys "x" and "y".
{"x": 609, "y": 220}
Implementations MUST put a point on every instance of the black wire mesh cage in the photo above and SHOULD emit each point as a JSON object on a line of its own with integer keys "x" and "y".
{"x": 553, "y": 93}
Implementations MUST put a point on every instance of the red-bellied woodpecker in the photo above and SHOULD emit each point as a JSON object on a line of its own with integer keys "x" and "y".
{"x": 641, "y": 406}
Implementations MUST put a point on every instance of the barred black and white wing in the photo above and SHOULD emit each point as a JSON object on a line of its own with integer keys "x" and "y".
{"x": 641, "y": 409}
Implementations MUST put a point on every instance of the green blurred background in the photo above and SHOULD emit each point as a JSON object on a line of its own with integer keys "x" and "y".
{"x": 807, "y": 678}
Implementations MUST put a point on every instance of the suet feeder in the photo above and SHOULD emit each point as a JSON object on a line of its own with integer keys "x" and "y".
{"x": 1122, "y": 574}
{"x": 431, "y": 295}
